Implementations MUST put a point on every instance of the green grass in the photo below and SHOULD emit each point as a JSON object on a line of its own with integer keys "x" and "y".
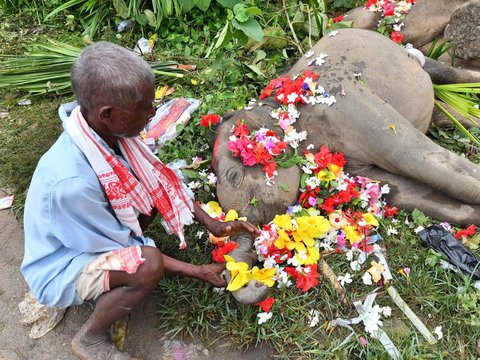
{"x": 189, "y": 307}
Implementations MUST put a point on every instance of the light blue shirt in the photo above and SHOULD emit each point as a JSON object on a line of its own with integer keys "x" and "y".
{"x": 68, "y": 222}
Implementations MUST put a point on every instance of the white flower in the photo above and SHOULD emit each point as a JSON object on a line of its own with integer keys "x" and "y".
{"x": 347, "y": 279}
{"x": 212, "y": 179}
{"x": 319, "y": 60}
{"x": 357, "y": 75}
{"x": 387, "y": 311}
{"x": 313, "y": 318}
{"x": 372, "y": 319}
{"x": 203, "y": 173}
{"x": 292, "y": 97}
{"x": 196, "y": 162}
{"x": 385, "y": 189}
{"x": 194, "y": 185}
{"x": 438, "y": 332}
{"x": 398, "y": 27}
{"x": 332, "y": 33}
{"x": 367, "y": 279}
{"x": 391, "y": 230}
{"x": 199, "y": 234}
{"x": 310, "y": 147}
{"x": 219, "y": 290}
{"x": 309, "y": 53}
{"x": 349, "y": 255}
{"x": 418, "y": 229}
{"x": 355, "y": 265}
{"x": 264, "y": 317}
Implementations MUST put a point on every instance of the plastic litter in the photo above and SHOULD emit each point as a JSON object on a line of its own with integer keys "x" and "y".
{"x": 442, "y": 241}
{"x": 125, "y": 25}
{"x": 142, "y": 47}
{"x": 6, "y": 202}
{"x": 163, "y": 126}
{"x": 42, "y": 318}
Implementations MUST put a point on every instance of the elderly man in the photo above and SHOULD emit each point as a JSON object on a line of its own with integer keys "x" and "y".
{"x": 92, "y": 195}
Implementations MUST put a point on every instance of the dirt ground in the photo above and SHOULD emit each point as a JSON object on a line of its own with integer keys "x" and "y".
{"x": 143, "y": 337}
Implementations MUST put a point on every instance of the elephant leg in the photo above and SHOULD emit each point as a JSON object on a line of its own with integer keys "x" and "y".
{"x": 381, "y": 136}
{"x": 410, "y": 194}
{"x": 445, "y": 74}
{"x": 255, "y": 291}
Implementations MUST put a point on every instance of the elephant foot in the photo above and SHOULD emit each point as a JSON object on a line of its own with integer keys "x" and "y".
{"x": 410, "y": 194}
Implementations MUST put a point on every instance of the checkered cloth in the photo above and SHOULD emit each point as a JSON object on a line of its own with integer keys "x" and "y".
{"x": 157, "y": 185}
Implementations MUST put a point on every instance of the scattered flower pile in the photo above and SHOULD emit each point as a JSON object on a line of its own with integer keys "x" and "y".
{"x": 393, "y": 13}
{"x": 257, "y": 147}
{"x": 263, "y": 146}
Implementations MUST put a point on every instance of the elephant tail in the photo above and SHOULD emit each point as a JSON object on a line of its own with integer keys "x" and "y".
{"x": 445, "y": 74}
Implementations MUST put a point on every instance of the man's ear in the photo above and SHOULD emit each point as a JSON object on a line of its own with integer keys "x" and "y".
{"x": 105, "y": 114}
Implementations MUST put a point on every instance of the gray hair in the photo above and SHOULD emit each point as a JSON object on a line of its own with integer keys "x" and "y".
{"x": 108, "y": 74}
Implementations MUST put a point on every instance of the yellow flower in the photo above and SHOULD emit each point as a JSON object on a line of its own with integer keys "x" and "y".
{"x": 283, "y": 221}
{"x": 337, "y": 220}
{"x": 283, "y": 240}
{"x": 335, "y": 169}
{"x": 309, "y": 228}
{"x": 231, "y": 215}
{"x": 308, "y": 255}
{"x": 212, "y": 208}
{"x": 370, "y": 219}
{"x": 239, "y": 273}
{"x": 326, "y": 175}
{"x": 352, "y": 234}
{"x": 376, "y": 271}
{"x": 264, "y": 275}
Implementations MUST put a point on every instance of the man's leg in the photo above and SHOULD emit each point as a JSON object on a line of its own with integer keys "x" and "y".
{"x": 127, "y": 291}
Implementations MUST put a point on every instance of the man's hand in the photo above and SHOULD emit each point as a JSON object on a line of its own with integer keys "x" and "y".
{"x": 228, "y": 228}
{"x": 219, "y": 228}
{"x": 212, "y": 273}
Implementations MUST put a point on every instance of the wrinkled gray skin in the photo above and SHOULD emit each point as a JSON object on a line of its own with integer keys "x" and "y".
{"x": 393, "y": 89}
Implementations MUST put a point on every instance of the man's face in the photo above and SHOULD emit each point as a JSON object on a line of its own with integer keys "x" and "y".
{"x": 129, "y": 122}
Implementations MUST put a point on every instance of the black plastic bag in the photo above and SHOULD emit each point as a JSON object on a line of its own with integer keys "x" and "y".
{"x": 442, "y": 241}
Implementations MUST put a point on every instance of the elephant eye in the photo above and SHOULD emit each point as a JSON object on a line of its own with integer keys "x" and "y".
{"x": 235, "y": 175}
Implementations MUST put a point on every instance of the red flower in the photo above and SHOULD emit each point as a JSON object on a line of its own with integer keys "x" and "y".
{"x": 269, "y": 168}
{"x": 388, "y": 9}
{"x": 209, "y": 120}
{"x": 266, "y": 304}
{"x": 304, "y": 280}
{"x": 241, "y": 129}
{"x": 396, "y": 36}
{"x": 390, "y": 211}
{"x": 370, "y": 3}
{"x": 466, "y": 233}
{"x": 338, "y": 18}
{"x": 223, "y": 249}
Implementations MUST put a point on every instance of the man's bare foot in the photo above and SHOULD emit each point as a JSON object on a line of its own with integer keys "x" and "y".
{"x": 96, "y": 348}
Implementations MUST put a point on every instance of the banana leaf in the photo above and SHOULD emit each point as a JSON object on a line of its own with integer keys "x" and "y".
{"x": 46, "y": 68}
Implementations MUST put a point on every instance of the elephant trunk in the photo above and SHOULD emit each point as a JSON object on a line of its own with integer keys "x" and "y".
{"x": 255, "y": 291}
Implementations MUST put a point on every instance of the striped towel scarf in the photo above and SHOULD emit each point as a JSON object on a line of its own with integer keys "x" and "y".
{"x": 157, "y": 185}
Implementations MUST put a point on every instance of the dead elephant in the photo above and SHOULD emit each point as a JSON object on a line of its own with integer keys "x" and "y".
{"x": 379, "y": 124}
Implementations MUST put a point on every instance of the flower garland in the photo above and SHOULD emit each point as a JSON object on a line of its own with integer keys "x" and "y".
{"x": 393, "y": 13}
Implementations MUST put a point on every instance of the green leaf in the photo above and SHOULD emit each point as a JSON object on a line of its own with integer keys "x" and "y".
{"x": 141, "y": 19}
{"x": 121, "y": 8}
{"x": 284, "y": 187}
{"x": 254, "y": 201}
{"x": 228, "y": 3}
{"x": 251, "y": 28}
{"x": 240, "y": 13}
{"x": 255, "y": 69}
{"x": 419, "y": 217}
{"x": 202, "y": 4}
{"x": 151, "y": 18}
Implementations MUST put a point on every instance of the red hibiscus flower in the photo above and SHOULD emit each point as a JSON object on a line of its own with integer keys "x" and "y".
{"x": 241, "y": 129}
{"x": 338, "y": 18}
{"x": 390, "y": 211}
{"x": 396, "y": 37}
{"x": 266, "y": 304}
{"x": 223, "y": 249}
{"x": 304, "y": 280}
{"x": 388, "y": 9}
{"x": 209, "y": 120}
{"x": 269, "y": 168}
